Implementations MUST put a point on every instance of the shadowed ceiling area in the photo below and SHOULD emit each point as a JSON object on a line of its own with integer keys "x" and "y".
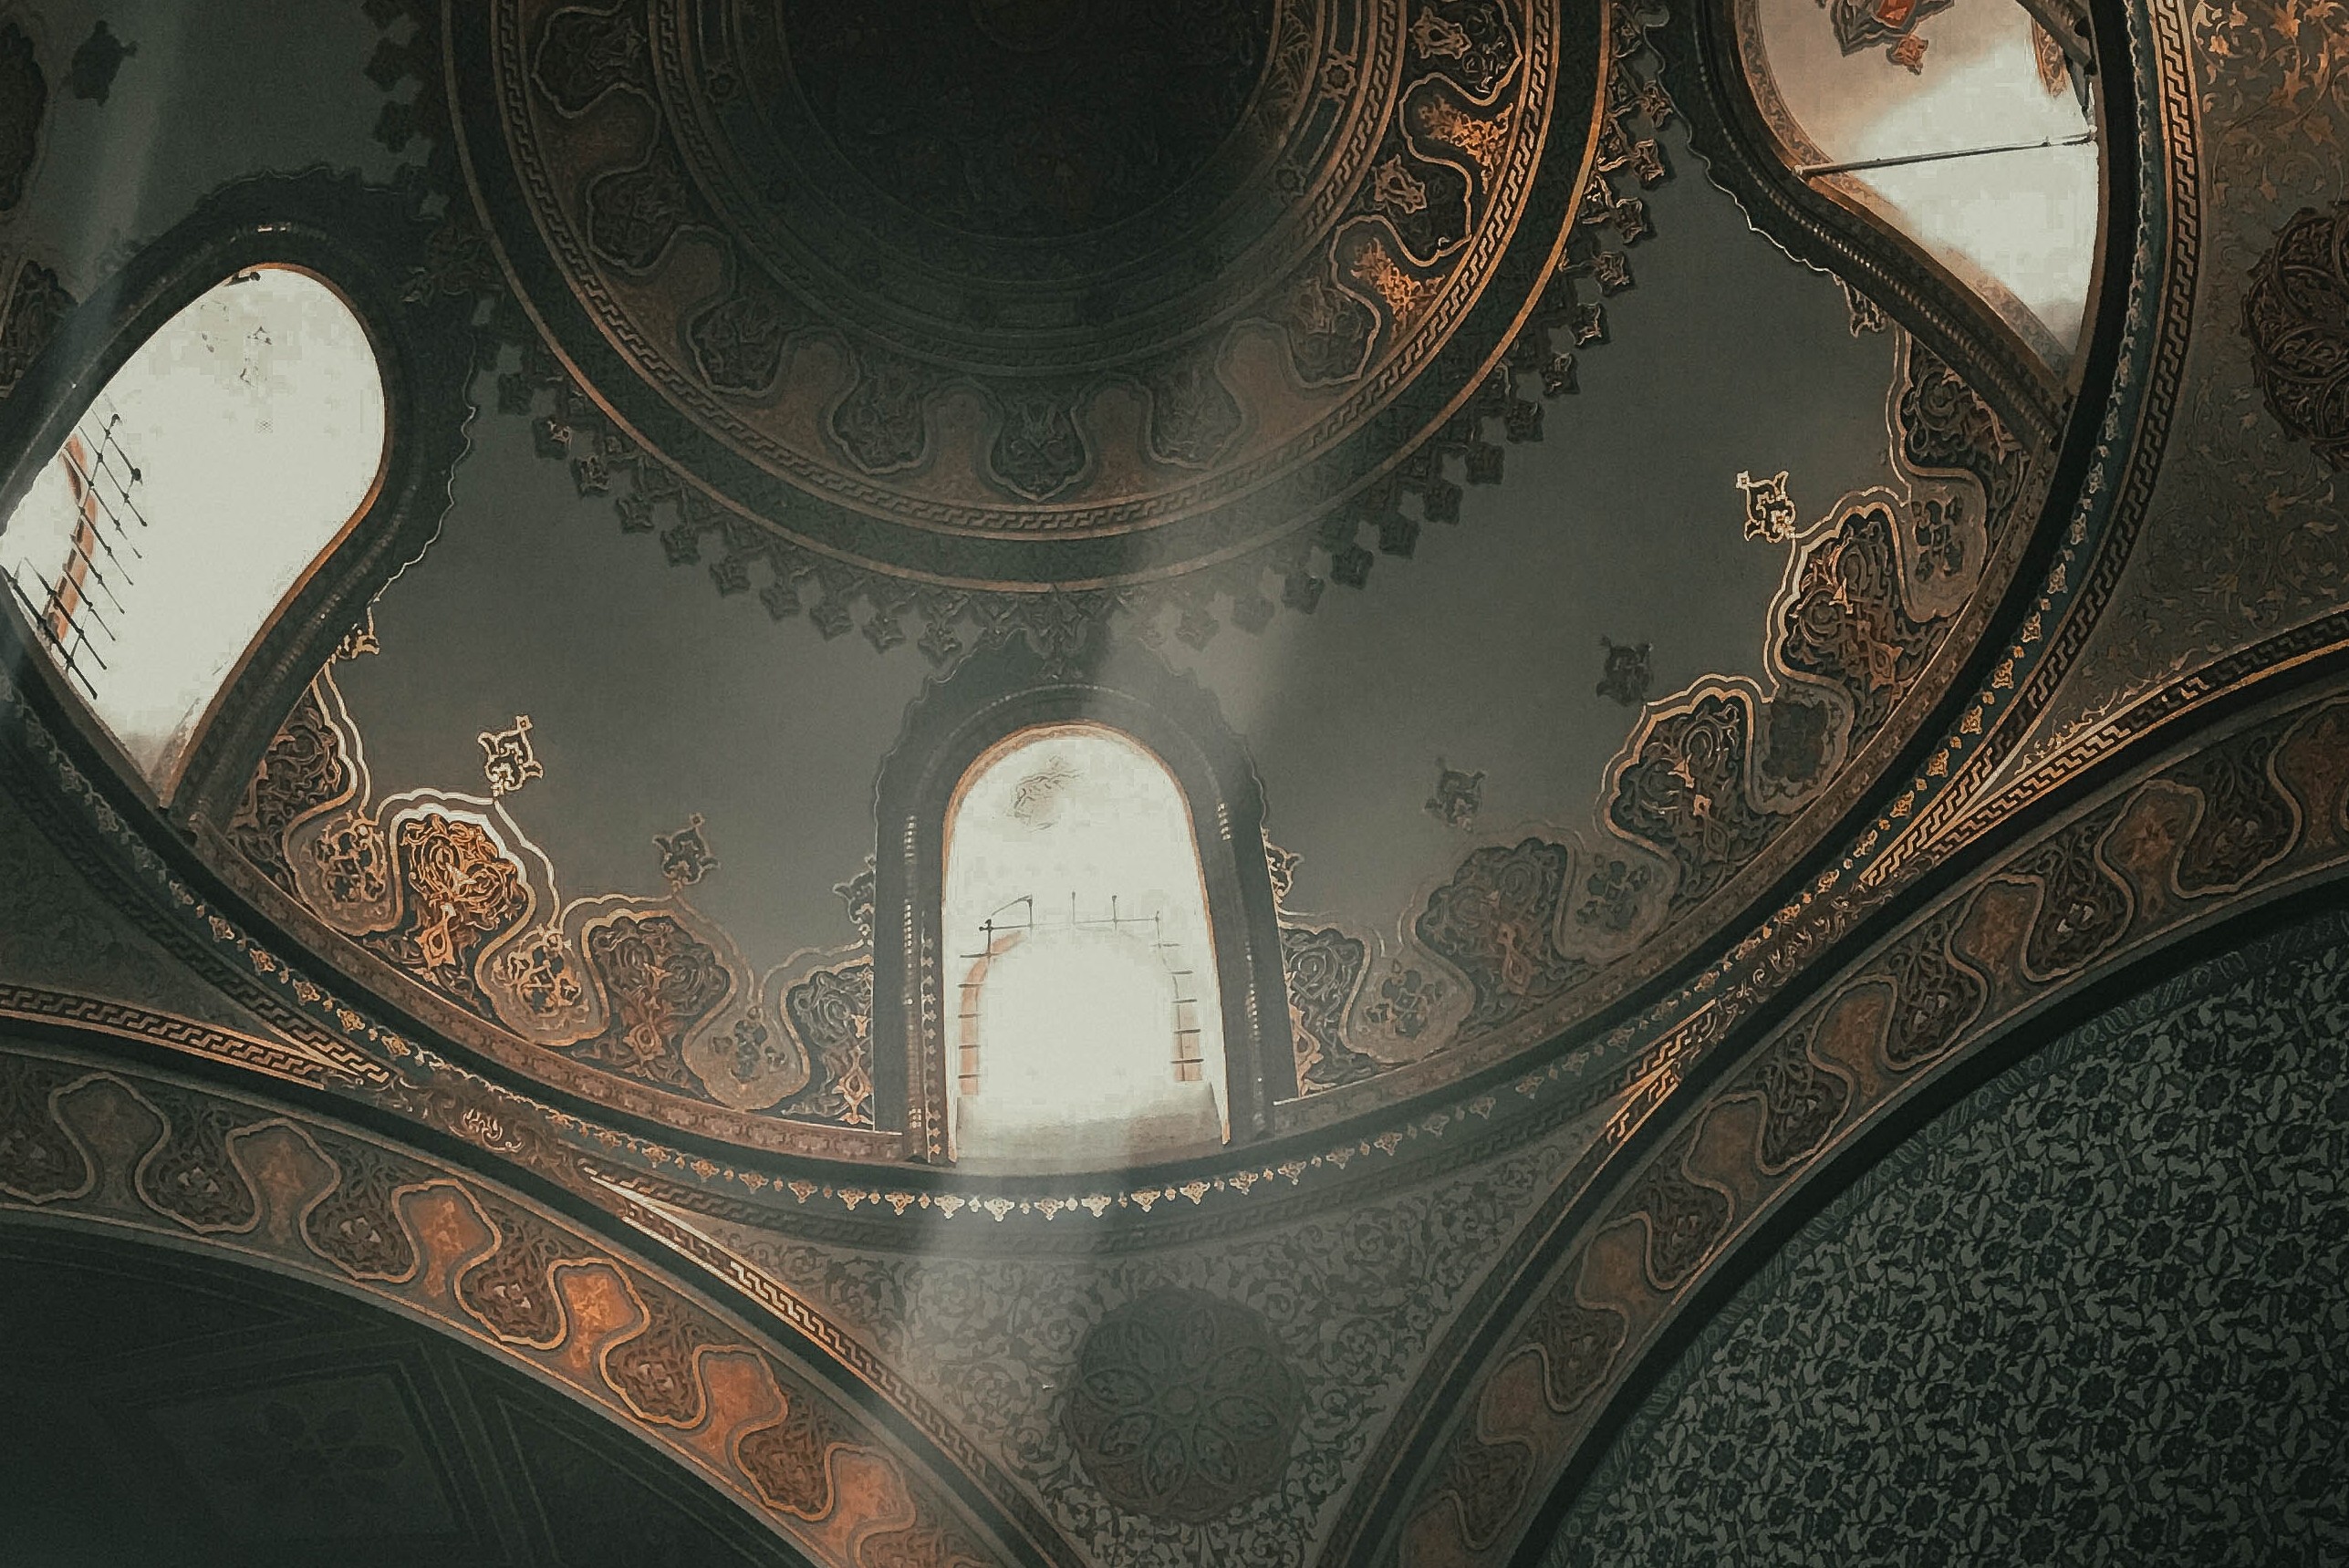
{"x": 189, "y": 1413}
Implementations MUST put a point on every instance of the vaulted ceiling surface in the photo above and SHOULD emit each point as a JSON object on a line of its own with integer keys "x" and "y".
{"x": 276, "y": 85}
{"x": 199, "y": 1412}
{"x": 652, "y": 697}
{"x": 1675, "y": 538}
{"x": 1403, "y": 1295}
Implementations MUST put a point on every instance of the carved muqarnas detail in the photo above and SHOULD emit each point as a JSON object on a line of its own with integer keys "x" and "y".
{"x": 583, "y": 54}
{"x": 461, "y": 891}
{"x": 1183, "y": 1406}
{"x": 1944, "y": 424}
{"x": 38, "y": 1161}
{"x": 832, "y": 1010}
{"x": 1628, "y": 672}
{"x": 790, "y": 1463}
{"x": 653, "y": 1369}
{"x": 685, "y": 855}
{"x": 1496, "y": 921}
{"x": 511, "y": 1292}
{"x": 2296, "y": 318}
{"x": 1846, "y": 623}
{"x": 1405, "y": 998}
{"x": 1443, "y": 176}
{"x": 1860, "y": 23}
{"x": 2084, "y": 907}
{"x": 1684, "y": 1218}
{"x": 2246, "y": 823}
{"x": 1577, "y": 1344}
{"x": 1934, "y": 996}
{"x": 355, "y": 1227}
{"x": 191, "y": 1179}
{"x": 1802, "y": 1101}
{"x": 28, "y": 320}
{"x": 1488, "y": 1480}
{"x": 1458, "y": 796}
{"x": 303, "y": 768}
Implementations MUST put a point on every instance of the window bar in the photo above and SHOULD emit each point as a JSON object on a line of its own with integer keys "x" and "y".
{"x": 90, "y": 572}
{"x": 109, "y": 448}
{"x": 66, "y": 656}
{"x": 115, "y": 519}
{"x": 1189, "y": 1057}
{"x": 966, "y": 1031}
{"x": 67, "y": 601}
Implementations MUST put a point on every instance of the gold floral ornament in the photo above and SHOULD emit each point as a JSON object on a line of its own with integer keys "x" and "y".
{"x": 685, "y": 857}
{"x": 508, "y": 759}
{"x": 1769, "y": 510}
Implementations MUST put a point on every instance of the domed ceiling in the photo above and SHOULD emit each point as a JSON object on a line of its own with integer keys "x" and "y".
{"x": 1026, "y": 294}
{"x": 1140, "y": 372}
{"x": 1673, "y": 660}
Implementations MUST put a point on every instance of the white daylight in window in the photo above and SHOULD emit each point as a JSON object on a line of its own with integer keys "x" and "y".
{"x": 1968, "y": 134}
{"x": 1087, "y": 1028}
{"x": 232, "y": 451}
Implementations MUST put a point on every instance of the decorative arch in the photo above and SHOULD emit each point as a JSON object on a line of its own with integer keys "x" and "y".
{"x": 1000, "y": 693}
{"x": 89, "y": 1144}
{"x": 232, "y": 451}
{"x": 277, "y": 1422}
{"x": 1970, "y": 135}
{"x": 1709, "y": 1164}
{"x": 372, "y": 255}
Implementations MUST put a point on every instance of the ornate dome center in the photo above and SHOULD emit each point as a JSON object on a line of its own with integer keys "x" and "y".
{"x": 1030, "y": 293}
{"x": 1027, "y": 118}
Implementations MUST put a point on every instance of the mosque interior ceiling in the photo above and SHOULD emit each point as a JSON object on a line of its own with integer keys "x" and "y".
{"x": 1000, "y": 782}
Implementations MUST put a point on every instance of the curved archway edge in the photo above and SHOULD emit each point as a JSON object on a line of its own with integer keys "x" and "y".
{"x": 88, "y": 1143}
{"x": 1664, "y": 1215}
{"x": 370, "y": 245}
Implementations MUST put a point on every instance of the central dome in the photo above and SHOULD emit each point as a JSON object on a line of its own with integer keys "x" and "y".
{"x": 1027, "y": 118}
{"x": 1029, "y": 293}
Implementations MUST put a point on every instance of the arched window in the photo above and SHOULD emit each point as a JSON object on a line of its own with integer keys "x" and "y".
{"x": 1968, "y": 128}
{"x": 1088, "y": 1025}
{"x": 232, "y": 451}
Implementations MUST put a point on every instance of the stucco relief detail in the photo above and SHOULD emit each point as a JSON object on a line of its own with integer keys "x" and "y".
{"x": 1001, "y": 1341}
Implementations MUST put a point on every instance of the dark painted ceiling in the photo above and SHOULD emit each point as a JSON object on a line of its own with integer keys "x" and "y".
{"x": 185, "y": 1413}
{"x": 1611, "y": 572}
{"x": 2091, "y": 1313}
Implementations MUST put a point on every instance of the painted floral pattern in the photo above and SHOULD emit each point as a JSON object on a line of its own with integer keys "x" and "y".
{"x": 2092, "y": 1314}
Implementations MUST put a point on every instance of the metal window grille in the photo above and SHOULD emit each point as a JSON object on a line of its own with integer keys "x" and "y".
{"x": 77, "y": 612}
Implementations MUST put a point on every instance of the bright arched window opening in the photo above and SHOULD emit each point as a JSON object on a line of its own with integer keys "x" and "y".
{"x": 1966, "y": 126}
{"x": 232, "y": 451}
{"x": 1088, "y": 1026}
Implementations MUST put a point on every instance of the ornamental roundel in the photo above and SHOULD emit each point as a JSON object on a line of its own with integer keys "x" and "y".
{"x": 1005, "y": 292}
{"x": 1183, "y": 1407}
{"x": 2296, "y": 317}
